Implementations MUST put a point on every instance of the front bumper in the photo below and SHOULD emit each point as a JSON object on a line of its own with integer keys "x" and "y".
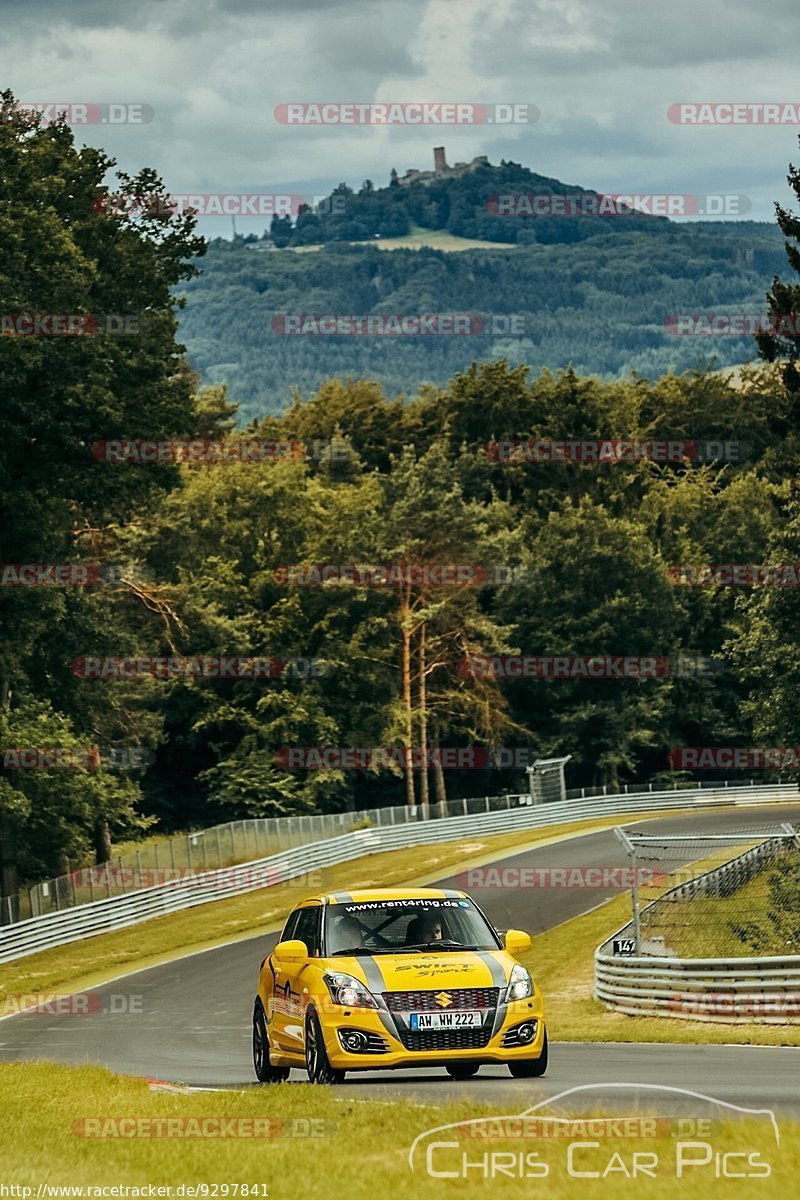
{"x": 380, "y": 1027}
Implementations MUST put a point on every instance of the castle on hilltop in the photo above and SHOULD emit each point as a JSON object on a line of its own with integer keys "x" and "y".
{"x": 441, "y": 170}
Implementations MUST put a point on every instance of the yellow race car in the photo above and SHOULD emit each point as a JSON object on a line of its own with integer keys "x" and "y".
{"x": 378, "y": 979}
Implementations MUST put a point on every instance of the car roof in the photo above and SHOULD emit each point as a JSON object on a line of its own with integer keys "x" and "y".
{"x": 363, "y": 895}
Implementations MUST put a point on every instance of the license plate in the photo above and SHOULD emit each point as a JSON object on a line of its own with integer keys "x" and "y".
{"x": 465, "y": 1019}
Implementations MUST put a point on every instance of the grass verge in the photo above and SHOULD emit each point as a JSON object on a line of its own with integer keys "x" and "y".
{"x": 361, "y": 1149}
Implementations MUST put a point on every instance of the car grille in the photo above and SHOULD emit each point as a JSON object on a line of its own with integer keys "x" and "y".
{"x": 445, "y": 1039}
{"x": 484, "y": 998}
{"x": 420, "y": 1001}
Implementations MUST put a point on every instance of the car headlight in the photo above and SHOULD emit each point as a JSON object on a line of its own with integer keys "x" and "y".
{"x": 348, "y": 992}
{"x": 520, "y": 984}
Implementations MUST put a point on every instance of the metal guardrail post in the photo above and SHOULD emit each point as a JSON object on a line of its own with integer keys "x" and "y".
{"x": 631, "y": 852}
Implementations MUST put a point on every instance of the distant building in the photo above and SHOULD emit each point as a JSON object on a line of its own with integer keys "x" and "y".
{"x": 441, "y": 170}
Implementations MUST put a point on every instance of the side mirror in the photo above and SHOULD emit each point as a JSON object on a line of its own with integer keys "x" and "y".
{"x": 290, "y": 952}
{"x": 516, "y": 942}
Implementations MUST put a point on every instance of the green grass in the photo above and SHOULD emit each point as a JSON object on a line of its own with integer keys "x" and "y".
{"x": 435, "y": 239}
{"x": 753, "y": 920}
{"x": 362, "y": 1151}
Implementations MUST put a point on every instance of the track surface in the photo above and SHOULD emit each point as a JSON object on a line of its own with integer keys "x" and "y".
{"x": 189, "y": 1020}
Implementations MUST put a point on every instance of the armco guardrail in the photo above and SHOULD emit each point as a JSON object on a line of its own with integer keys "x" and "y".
{"x": 765, "y": 989}
{"x": 117, "y": 912}
{"x": 702, "y": 989}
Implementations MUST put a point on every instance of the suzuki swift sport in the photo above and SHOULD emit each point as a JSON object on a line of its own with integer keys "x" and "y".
{"x": 383, "y": 979}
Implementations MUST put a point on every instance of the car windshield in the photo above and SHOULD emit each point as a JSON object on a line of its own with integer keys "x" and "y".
{"x": 406, "y": 926}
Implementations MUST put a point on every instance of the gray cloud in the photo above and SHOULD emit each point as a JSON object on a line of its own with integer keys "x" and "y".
{"x": 602, "y": 75}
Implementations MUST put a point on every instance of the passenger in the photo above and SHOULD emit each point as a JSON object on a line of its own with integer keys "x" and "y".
{"x": 348, "y": 933}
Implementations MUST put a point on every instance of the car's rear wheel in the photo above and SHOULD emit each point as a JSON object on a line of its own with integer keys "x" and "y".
{"x": 530, "y": 1068}
{"x": 265, "y": 1072}
{"x": 462, "y": 1070}
{"x": 317, "y": 1062}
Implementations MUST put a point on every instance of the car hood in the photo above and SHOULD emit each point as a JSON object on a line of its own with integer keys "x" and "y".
{"x": 444, "y": 969}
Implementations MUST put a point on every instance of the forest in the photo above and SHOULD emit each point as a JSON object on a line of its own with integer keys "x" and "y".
{"x": 376, "y": 555}
{"x": 601, "y": 305}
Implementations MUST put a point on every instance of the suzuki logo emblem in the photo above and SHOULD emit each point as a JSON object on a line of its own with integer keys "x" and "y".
{"x": 443, "y": 999}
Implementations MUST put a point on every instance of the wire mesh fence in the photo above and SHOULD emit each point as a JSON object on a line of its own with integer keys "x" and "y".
{"x": 726, "y": 895}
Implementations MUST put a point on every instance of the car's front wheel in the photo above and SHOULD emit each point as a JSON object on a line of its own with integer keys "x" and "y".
{"x": 462, "y": 1070}
{"x": 530, "y": 1068}
{"x": 317, "y": 1062}
{"x": 265, "y": 1072}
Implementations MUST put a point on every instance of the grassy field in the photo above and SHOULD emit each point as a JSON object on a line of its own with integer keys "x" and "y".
{"x": 58, "y": 1124}
{"x": 748, "y": 922}
{"x": 435, "y": 239}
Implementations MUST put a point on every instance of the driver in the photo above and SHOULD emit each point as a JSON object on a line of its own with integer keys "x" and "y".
{"x": 431, "y": 929}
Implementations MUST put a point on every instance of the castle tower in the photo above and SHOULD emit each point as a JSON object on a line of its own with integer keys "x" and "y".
{"x": 439, "y": 160}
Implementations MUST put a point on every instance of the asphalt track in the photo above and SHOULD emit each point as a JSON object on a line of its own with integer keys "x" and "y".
{"x": 188, "y": 1021}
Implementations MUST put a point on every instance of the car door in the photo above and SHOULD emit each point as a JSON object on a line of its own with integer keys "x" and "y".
{"x": 278, "y": 1012}
{"x": 297, "y": 977}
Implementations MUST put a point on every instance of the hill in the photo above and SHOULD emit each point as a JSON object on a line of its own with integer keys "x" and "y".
{"x": 474, "y": 200}
{"x": 601, "y": 304}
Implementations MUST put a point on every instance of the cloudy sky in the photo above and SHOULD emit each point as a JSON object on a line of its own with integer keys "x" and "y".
{"x": 602, "y": 74}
